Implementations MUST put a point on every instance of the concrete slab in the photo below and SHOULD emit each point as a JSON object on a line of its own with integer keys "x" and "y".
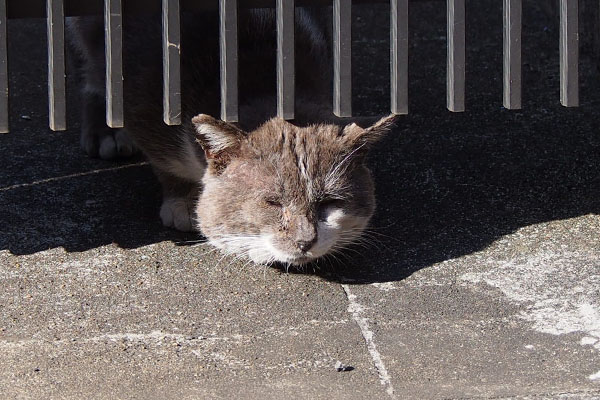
{"x": 159, "y": 322}
{"x": 519, "y": 317}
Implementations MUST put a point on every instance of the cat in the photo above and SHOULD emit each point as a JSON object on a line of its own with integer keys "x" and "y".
{"x": 284, "y": 193}
{"x": 265, "y": 188}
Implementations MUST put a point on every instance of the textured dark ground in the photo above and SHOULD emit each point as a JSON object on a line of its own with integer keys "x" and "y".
{"x": 484, "y": 281}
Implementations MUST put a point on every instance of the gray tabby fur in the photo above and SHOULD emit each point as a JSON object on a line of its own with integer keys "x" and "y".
{"x": 271, "y": 191}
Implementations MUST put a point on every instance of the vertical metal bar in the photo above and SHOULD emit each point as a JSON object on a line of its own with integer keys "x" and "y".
{"x": 399, "y": 56}
{"x": 229, "y": 59}
{"x": 455, "y": 85}
{"x": 171, "y": 37}
{"x": 113, "y": 37}
{"x": 56, "y": 65}
{"x": 342, "y": 58}
{"x": 285, "y": 58}
{"x": 3, "y": 70}
{"x": 512, "y": 53}
{"x": 569, "y": 53}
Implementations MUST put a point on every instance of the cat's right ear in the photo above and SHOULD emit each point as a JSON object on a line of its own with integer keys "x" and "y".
{"x": 220, "y": 140}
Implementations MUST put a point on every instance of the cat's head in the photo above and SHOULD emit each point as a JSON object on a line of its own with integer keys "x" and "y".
{"x": 284, "y": 193}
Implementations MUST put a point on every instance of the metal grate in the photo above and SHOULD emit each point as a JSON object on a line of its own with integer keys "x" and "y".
{"x": 56, "y": 10}
{"x": 3, "y": 70}
{"x": 171, "y": 64}
{"x": 512, "y": 53}
{"x": 569, "y": 53}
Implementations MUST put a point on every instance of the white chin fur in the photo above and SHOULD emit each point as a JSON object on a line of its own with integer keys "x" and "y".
{"x": 253, "y": 247}
{"x": 258, "y": 248}
{"x": 338, "y": 229}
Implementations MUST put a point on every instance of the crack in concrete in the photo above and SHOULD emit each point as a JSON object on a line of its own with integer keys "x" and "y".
{"x": 363, "y": 323}
{"x": 60, "y": 178}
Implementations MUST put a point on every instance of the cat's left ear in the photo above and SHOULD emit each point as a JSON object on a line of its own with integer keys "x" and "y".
{"x": 220, "y": 140}
{"x": 358, "y": 137}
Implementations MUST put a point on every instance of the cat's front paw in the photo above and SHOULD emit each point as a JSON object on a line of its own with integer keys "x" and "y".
{"x": 177, "y": 212}
{"x": 109, "y": 145}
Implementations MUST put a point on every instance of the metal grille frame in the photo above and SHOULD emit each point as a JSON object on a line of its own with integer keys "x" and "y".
{"x": 56, "y": 10}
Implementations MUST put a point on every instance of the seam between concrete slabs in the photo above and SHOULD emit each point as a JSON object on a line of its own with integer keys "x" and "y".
{"x": 75, "y": 175}
{"x": 356, "y": 310}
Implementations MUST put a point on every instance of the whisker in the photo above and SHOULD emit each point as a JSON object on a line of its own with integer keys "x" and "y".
{"x": 221, "y": 259}
{"x": 184, "y": 242}
{"x": 243, "y": 268}
{"x": 212, "y": 251}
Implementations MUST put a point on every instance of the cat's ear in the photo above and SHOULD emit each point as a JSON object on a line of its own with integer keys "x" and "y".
{"x": 220, "y": 140}
{"x": 363, "y": 138}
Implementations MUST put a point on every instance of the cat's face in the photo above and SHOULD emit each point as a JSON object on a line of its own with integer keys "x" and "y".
{"x": 283, "y": 193}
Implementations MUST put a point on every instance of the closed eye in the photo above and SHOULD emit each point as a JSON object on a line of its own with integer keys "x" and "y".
{"x": 273, "y": 203}
{"x": 330, "y": 203}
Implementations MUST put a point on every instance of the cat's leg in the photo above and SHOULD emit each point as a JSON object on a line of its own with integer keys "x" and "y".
{"x": 86, "y": 36}
{"x": 97, "y": 139}
{"x": 179, "y": 202}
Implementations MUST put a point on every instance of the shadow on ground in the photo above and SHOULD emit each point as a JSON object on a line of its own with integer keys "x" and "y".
{"x": 448, "y": 184}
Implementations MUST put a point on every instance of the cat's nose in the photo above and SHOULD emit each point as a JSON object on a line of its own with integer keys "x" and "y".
{"x": 305, "y": 245}
{"x": 305, "y": 233}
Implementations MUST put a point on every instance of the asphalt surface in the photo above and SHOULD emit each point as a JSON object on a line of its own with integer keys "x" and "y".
{"x": 482, "y": 279}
